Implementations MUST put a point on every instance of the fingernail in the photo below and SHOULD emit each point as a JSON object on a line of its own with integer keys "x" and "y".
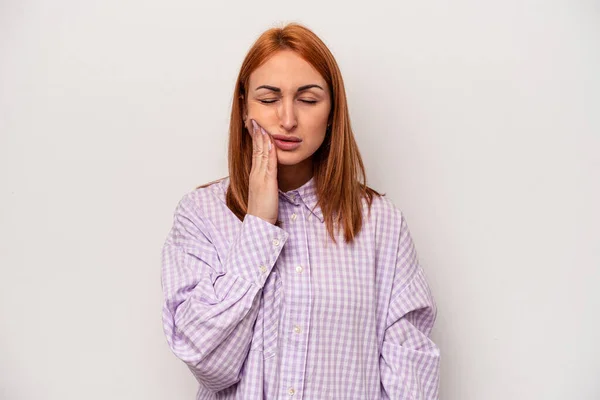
{"x": 254, "y": 125}
{"x": 269, "y": 145}
{"x": 263, "y": 130}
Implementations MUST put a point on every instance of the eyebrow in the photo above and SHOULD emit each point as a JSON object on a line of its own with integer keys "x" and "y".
{"x": 300, "y": 89}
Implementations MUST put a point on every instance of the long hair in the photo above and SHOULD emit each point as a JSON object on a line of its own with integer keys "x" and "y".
{"x": 337, "y": 163}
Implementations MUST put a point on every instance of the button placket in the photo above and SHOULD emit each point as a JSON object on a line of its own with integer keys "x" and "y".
{"x": 297, "y": 319}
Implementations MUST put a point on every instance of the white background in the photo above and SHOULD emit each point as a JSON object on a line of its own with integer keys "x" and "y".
{"x": 480, "y": 120}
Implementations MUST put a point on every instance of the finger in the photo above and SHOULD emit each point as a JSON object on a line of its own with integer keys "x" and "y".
{"x": 252, "y": 131}
{"x": 257, "y": 141}
{"x": 264, "y": 148}
{"x": 265, "y": 153}
{"x": 272, "y": 162}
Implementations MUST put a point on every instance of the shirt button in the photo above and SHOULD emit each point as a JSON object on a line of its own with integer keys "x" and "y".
{"x": 299, "y": 269}
{"x": 294, "y": 216}
{"x": 263, "y": 269}
{"x": 275, "y": 242}
{"x": 291, "y": 391}
{"x": 297, "y": 329}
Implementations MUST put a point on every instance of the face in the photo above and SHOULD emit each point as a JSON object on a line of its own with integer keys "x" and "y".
{"x": 289, "y": 98}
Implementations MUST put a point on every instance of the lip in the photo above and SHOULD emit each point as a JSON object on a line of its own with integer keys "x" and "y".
{"x": 286, "y": 145}
{"x": 286, "y": 142}
{"x": 288, "y": 138}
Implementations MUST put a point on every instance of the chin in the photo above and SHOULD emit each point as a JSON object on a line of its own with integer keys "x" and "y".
{"x": 289, "y": 159}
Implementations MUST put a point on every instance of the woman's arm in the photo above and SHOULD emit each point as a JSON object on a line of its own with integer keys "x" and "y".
{"x": 211, "y": 304}
{"x": 409, "y": 361}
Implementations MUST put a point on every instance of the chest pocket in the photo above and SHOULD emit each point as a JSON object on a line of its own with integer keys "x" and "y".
{"x": 267, "y": 321}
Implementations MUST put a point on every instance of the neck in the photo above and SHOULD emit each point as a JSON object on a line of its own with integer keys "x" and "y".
{"x": 290, "y": 177}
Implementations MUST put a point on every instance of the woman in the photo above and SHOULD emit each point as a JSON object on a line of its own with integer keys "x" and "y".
{"x": 290, "y": 278}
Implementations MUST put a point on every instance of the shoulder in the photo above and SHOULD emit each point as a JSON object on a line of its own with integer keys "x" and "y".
{"x": 395, "y": 242}
{"x": 205, "y": 198}
{"x": 385, "y": 213}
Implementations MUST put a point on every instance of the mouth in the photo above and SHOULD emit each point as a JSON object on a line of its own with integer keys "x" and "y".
{"x": 286, "y": 138}
{"x": 286, "y": 145}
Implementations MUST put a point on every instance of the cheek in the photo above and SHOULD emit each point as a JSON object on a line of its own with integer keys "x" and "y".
{"x": 316, "y": 133}
{"x": 259, "y": 111}
{"x": 317, "y": 116}
{"x": 312, "y": 118}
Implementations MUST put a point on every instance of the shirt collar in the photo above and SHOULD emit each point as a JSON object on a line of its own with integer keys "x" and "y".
{"x": 307, "y": 194}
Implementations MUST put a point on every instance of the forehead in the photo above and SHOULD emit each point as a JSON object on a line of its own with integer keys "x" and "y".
{"x": 285, "y": 69}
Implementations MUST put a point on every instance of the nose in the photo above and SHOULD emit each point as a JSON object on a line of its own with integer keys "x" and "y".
{"x": 287, "y": 114}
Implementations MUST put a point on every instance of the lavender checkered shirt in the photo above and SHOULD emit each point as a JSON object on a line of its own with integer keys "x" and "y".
{"x": 258, "y": 311}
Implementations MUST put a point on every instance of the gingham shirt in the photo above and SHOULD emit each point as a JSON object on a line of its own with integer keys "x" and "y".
{"x": 258, "y": 311}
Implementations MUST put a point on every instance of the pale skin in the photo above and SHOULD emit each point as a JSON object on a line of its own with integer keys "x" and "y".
{"x": 286, "y": 96}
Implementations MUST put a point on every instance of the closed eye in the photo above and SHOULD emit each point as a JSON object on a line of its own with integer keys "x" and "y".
{"x": 274, "y": 100}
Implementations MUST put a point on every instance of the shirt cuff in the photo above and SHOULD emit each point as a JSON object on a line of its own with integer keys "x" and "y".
{"x": 256, "y": 249}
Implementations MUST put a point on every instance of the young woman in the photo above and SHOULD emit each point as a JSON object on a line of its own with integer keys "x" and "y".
{"x": 290, "y": 278}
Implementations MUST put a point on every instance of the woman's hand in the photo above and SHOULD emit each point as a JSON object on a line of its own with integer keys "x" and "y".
{"x": 263, "y": 196}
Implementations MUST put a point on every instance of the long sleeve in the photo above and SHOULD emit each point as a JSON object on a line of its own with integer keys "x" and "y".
{"x": 211, "y": 299}
{"x": 409, "y": 361}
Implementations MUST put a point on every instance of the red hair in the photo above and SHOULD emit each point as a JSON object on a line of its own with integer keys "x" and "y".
{"x": 336, "y": 164}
